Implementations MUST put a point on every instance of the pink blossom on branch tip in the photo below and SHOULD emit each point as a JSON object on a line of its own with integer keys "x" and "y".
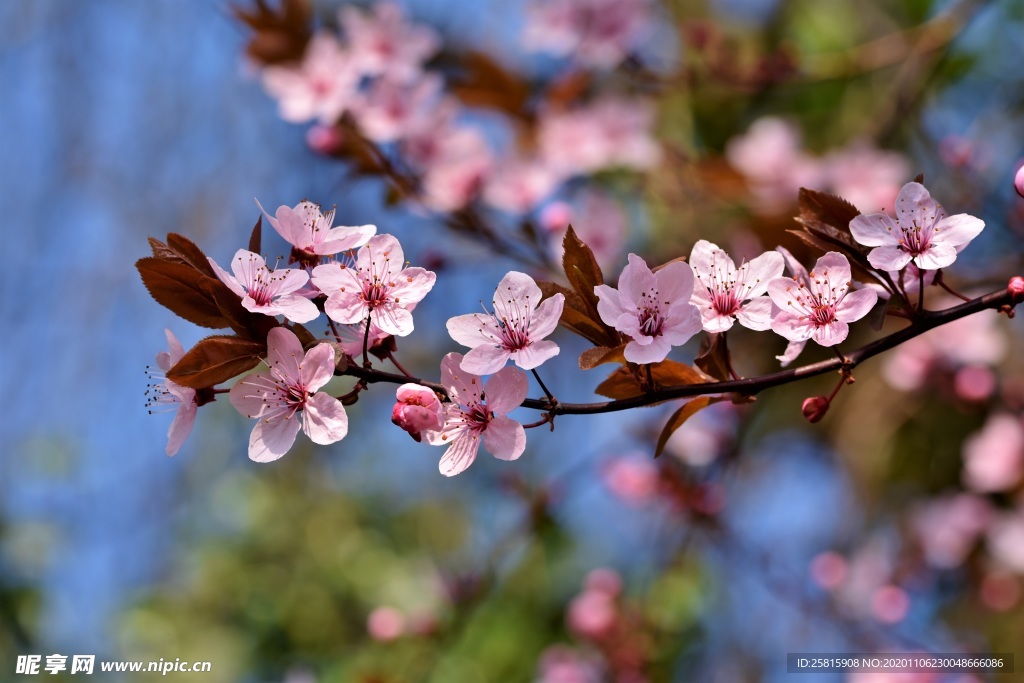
{"x": 285, "y": 397}
{"x": 168, "y": 395}
{"x": 516, "y": 330}
{"x": 470, "y": 418}
{"x": 921, "y": 232}
{"x": 322, "y": 86}
{"x": 822, "y": 308}
{"x": 384, "y": 42}
{"x": 725, "y": 293}
{"x": 378, "y": 286}
{"x": 653, "y": 309}
{"x": 417, "y": 410}
{"x": 311, "y": 231}
{"x": 270, "y": 292}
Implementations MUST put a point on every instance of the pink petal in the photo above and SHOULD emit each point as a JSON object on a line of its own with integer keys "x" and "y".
{"x": 915, "y": 205}
{"x": 856, "y": 305}
{"x": 874, "y": 230}
{"x": 535, "y": 354}
{"x": 290, "y": 223}
{"x": 937, "y": 256}
{"x": 505, "y": 438}
{"x": 382, "y": 255}
{"x": 654, "y": 352}
{"x": 792, "y": 327}
{"x": 331, "y": 278}
{"x": 297, "y": 308}
{"x": 636, "y": 279}
{"x": 609, "y": 304}
{"x": 249, "y": 393}
{"x": 957, "y": 230}
{"x": 796, "y": 268}
{"x": 793, "y": 350}
{"x": 317, "y": 367}
{"x": 831, "y": 334}
{"x": 181, "y": 426}
{"x": 545, "y": 319}
{"x": 272, "y": 439}
{"x": 681, "y": 323}
{"x": 324, "y": 419}
{"x": 756, "y": 314}
{"x": 760, "y": 271}
{"x": 226, "y": 278}
{"x": 783, "y": 292}
{"x": 176, "y": 350}
{"x": 284, "y": 353}
{"x": 675, "y": 283}
{"x": 245, "y": 265}
{"x": 346, "y": 308}
{"x": 393, "y": 320}
{"x": 889, "y": 258}
{"x": 506, "y": 390}
{"x": 287, "y": 281}
{"x": 163, "y": 361}
{"x": 835, "y": 265}
{"x": 459, "y": 455}
{"x": 515, "y": 292}
{"x": 411, "y": 285}
{"x": 702, "y": 257}
{"x": 473, "y": 329}
{"x": 485, "y": 359}
{"x": 344, "y": 238}
{"x": 713, "y": 321}
{"x": 463, "y": 386}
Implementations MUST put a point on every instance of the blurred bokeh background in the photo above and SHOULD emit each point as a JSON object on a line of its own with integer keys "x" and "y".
{"x": 896, "y": 524}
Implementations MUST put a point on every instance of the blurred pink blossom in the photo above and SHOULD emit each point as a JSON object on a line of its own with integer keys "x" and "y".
{"x": 828, "y": 570}
{"x": 594, "y": 612}
{"x": 596, "y": 218}
{"x": 385, "y": 623}
{"x": 867, "y": 177}
{"x": 519, "y": 184}
{"x": 324, "y": 139}
{"x": 391, "y": 110}
{"x": 322, "y": 86}
{"x": 562, "y": 664}
{"x": 455, "y": 166}
{"x": 772, "y": 159}
{"x": 597, "y": 33}
{"x": 631, "y": 478}
{"x": 891, "y": 677}
{"x": 1006, "y": 540}
{"x": 605, "y": 133}
{"x": 706, "y": 435}
{"x": 890, "y": 604}
{"x": 1000, "y": 591}
{"x": 1018, "y": 181}
{"x": 948, "y": 527}
{"x": 603, "y": 580}
{"x": 384, "y": 43}
{"x": 994, "y": 456}
{"x": 974, "y": 382}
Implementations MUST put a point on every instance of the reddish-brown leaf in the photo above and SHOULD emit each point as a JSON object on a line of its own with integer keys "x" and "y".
{"x": 599, "y": 355}
{"x": 482, "y": 82}
{"x": 192, "y": 254}
{"x": 163, "y": 252}
{"x": 827, "y": 208}
{"x": 279, "y": 35}
{"x": 256, "y": 238}
{"x": 182, "y": 289}
{"x": 688, "y": 410}
{"x": 216, "y": 359}
{"x": 668, "y": 373}
{"x": 712, "y": 359}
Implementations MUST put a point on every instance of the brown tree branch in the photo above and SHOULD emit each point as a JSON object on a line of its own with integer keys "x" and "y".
{"x": 1002, "y": 300}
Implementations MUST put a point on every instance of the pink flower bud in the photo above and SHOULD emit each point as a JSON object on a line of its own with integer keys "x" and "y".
{"x": 324, "y": 139}
{"x": 603, "y": 580}
{"x": 829, "y": 570}
{"x": 890, "y": 604}
{"x": 814, "y": 408}
{"x": 1016, "y": 288}
{"x": 385, "y": 623}
{"x": 417, "y": 410}
{"x": 1018, "y": 181}
{"x": 592, "y": 614}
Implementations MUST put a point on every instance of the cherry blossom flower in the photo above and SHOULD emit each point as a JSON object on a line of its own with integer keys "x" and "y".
{"x": 519, "y": 184}
{"x": 867, "y": 177}
{"x": 603, "y": 134}
{"x": 172, "y": 396}
{"x": 1018, "y": 181}
{"x": 377, "y": 286}
{"x": 310, "y": 231}
{"x": 470, "y": 418}
{"x": 597, "y": 33}
{"x": 771, "y": 158}
{"x": 947, "y": 527}
{"x": 631, "y": 478}
{"x": 391, "y": 110}
{"x": 417, "y": 409}
{"x": 455, "y": 162}
{"x": 351, "y": 337}
{"x": 799, "y": 273}
{"x": 321, "y": 87}
{"x": 822, "y": 308}
{"x": 385, "y": 624}
{"x": 724, "y": 293}
{"x": 562, "y": 664}
{"x": 270, "y": 292}
{"x": 515, "y": 330}
{"x": 994, "y": 456}
{"x": 921, "y": 232}
{"x": 284, "y": 398}
{"x": 599, "y": 221}
{"x": 1005, "y": 538}
{"x": 653, "y": 309}
{"x": 384, "y": 43}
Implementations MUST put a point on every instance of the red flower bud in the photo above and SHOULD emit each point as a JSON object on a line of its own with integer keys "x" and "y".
{"x": 815, "y": 407}
{"x": 1016, "y": 288}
